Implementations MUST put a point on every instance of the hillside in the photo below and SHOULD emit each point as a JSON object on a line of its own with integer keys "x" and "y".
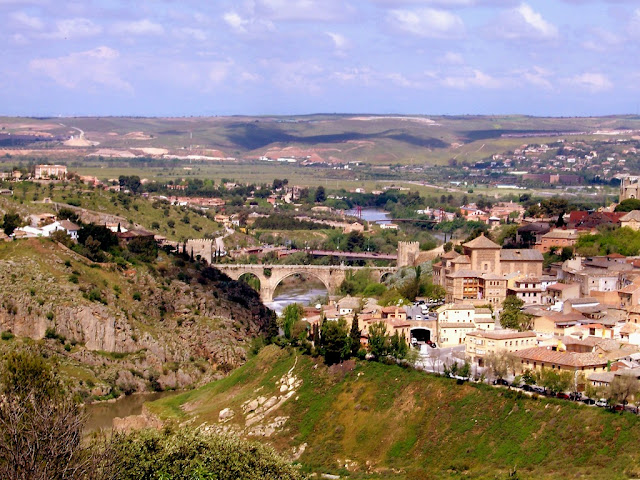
{"x": 370, "y": 420}
{"x": 123, "y": 328}
{"x": 375, "y": 139}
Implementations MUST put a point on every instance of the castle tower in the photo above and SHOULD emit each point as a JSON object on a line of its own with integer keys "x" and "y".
{"x": 408, "y": 253}
{"x": 629, "y": 188}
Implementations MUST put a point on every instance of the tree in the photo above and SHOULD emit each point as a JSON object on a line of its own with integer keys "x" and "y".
{"x": 623, "y": 388}
{"x": 354, "y": 336}
{"x": 628, "y": 205}
{"x": 511, "y": 315}
{"x": 40, "y": 425}
{"x": 378, "y": 340}
{"x": 335, "y": 341}
{"x": 67, "y": 214}
{"x": 10, "y": 222}
{"x": 497, "y": 365}
{"x": 321, "y": 195}
{"x": 291, "y": 314}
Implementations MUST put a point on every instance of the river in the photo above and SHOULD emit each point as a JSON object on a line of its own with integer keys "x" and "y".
{"x": 372, "y": 215}
{"x": 303, "y": 293}
{"x": 101, "y": 414}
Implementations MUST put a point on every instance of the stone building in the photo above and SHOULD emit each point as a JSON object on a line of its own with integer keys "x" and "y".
{"x": 481, "y": 273}
{"x": 629, "y": 187}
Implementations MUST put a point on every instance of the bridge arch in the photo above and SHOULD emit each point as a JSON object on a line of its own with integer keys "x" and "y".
{"x": 384, "y": 276}
{"x": 278, "y": 278}
{"x": 252, "y": 279}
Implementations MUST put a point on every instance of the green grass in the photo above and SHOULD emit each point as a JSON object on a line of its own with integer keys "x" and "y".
{"x": 405, "y": 424}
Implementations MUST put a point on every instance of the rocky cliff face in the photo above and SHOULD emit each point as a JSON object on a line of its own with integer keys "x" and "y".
{"x": 135, "y": 327}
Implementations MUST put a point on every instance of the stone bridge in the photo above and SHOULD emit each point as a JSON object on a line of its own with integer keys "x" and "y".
{"x": 270, "y": 276}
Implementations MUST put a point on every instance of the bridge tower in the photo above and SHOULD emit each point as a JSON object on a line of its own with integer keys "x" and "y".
{"x": 408, "y": 253}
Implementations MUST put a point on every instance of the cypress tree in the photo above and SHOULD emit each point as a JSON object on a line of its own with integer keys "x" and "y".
{"x": 354, "y": 335}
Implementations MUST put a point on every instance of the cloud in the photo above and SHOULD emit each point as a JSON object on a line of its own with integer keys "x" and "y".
{"x": 139, "y": 27}
{"x": 218, "y": 71}
{"x": 190, "y": 33}
{"x": 247, "y": 24}
{"x": 427, "y": 22}
{"x": 25, "y": 20}
{"x": 83, "y": 70}
{"x": 303, "y": 10}
{"x": 522, "y": 22}
{"x": 537, "y": 76}
{"x": 590, "y": 81}
{"x": 601, "y": 40}
{"x": 473, "y": 78}
{"x": 75, "y": 27}
{"x": 451, "y": 58}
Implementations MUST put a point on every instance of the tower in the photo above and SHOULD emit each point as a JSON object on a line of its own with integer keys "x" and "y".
{"x": 407, "y": 253}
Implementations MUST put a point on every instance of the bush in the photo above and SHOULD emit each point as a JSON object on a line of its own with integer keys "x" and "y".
{"x": 136, "y": 296}
{"x": 6, "y": 335}
{"x": 192, "y": 453}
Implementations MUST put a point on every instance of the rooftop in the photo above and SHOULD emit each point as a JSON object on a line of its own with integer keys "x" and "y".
{"x": 481, "y": 242}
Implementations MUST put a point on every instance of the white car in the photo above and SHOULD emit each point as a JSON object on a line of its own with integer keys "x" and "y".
{"x": 602, "y": 403}
{"x": 418, "y": 316}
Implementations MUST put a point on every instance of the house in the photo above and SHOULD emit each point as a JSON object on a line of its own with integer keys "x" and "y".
{"x": 527, "y": 289}
{"x": 480, "y": 343}
{"x": 631, "y": 220}
{"x": 456, "y": 320}
{"x": 530, "y": 234}
{"x": 50, "y": 171}
{"x": 560, "y": 359}
{"x": 556, "y": 238}
{"x": 559, "y": 292}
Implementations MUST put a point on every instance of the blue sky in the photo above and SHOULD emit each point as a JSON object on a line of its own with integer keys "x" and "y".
{"x": 219, "y": 57}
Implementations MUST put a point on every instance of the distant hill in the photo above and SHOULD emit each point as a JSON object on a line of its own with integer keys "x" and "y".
{"x": 376, "y": 421}
{"x": 376, "y": 139}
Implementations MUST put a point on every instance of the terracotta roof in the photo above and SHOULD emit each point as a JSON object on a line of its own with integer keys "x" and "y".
{"x": 450, "y": 255}
{"x": 468, "y": 325}
{"x": 632, "y": 215}
{"x": 461, "y": 259}
{"x": 67, "y": 225}
{"x": 521, "y": 255}
{"x": 570, "y": 359}
{"x": 502, "y": 334}
{"x": 481, "y": 242}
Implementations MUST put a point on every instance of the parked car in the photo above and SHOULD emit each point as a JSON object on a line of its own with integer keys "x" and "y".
{"x": 527, "y": 388}
{"x": 501, "y": 381}
{"x": 538, "y": 389}
{"x": 602, "y": 402}
{"x": 431, "y": 343}
{"x": 618, "y": 407}
{"x": 575, "y": 396}
{"x": 418, "y": 316}
{"x": 631, "y": 408}
{"x": 588, "y": 401}
{"x": 563, "y": 395}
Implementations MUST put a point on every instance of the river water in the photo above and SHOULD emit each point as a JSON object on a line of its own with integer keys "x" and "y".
{"x": 298, "y": 293}
{"x": 101, "y": 414}
{"x": 372, "y": 215}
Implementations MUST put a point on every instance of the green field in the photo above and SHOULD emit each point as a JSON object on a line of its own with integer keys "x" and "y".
{"x": 374, "y": 421}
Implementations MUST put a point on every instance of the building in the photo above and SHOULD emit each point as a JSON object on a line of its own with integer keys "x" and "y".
{"x": 557, "y": 238}
{"x": 528, "y": 289}
{"x": 455, "y": 321}
{"x": 50, "y": 171}
{"x": 480, "y": 343}
{"x": 629, "y": 187}
{"x": 481, "y": 273}
{"x": 631, "y": 220}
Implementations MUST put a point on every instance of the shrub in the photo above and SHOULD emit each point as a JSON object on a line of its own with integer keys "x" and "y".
{"x": 73, "y": 278}
{"x": 6, "y": 335}
{"x": 136, "y": 296}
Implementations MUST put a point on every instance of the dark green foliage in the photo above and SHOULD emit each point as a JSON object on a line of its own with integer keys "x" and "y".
{"x": 10, "y": 221}
{"x": 68, "y": 214}
{"x": 284, "y": 222}
{"x": 628, "y": 205}
{"x": 321, "y": 195}
{"x": 6, "y": 335}
{"x": 512, "y": 315}
{"x": 291, "y": 314}
{"x": 624, "y": 241}
{"x": 187, "y": 453}
{"x": 354, "y": 336}
{"x": 144, "y": 248}
{"x": 335, "y": 341}
{"x": 98, "y": 233}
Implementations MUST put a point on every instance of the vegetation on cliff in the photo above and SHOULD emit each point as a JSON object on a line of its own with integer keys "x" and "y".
{"x": 124, "y": 327}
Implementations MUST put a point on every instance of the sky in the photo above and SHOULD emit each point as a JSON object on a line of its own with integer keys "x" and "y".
{"x": 267, "y": 57}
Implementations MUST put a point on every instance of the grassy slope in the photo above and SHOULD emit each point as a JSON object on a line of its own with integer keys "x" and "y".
{"x": 396, "y": 423}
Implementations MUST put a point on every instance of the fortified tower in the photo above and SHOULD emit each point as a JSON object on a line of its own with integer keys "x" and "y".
{"x": 629, "y": 187}
{"x": 407, "y": 253}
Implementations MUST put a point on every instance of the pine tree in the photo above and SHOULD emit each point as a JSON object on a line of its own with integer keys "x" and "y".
{"x": 354, "y": 335}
